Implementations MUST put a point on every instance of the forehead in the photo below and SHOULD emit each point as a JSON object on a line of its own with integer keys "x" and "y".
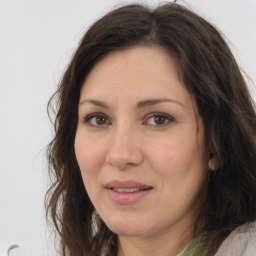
{"x": 137, "y": 72}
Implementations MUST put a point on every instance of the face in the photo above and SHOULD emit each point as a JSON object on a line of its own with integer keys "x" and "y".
{"x": 140, "y": 144}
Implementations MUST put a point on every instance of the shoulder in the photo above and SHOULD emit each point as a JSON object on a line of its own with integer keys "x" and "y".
{"x": 241, "y": 242}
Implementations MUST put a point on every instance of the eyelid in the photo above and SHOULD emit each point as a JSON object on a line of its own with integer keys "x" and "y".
{"x": 153, "y": 114}
{"x": 87, "y": 118}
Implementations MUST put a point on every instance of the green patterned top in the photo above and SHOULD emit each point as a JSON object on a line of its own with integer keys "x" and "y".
{"x": 195, "y": 247}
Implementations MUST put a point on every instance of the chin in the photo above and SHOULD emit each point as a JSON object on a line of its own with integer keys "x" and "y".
{"x": 128, "y": 231}
{"x": 127, "y": 227}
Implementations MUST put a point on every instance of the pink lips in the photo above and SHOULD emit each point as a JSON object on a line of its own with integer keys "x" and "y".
{"x": 116, "y": 190}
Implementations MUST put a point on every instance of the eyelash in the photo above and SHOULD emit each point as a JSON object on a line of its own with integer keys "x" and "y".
{"x": 167, "y": 118}
{"x": 90, "y": 117}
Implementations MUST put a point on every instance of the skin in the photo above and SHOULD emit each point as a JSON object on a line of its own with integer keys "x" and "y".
{"x": 129, "y": 142}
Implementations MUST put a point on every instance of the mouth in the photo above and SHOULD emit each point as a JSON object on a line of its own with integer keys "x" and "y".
{"x": 128, "y": 186}
{"x": 127, "y": 192}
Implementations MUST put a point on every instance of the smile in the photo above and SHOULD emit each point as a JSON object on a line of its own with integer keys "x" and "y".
{"x": 127, "y": 192}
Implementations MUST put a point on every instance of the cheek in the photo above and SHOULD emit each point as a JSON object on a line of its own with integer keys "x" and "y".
{"x": 182, "y": 171}
{"x": 88, "y": 152}
{"x": 90, "y": 158}
{"x": 178, "y": 160}
{"x": 90, "y": 161}
{"x": 166, "y": 154}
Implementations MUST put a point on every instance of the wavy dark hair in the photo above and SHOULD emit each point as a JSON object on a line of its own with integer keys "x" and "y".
{"x": 210, "y": 73}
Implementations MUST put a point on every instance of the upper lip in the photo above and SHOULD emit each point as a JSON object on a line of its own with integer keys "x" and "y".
{"x": 126, "y": 184}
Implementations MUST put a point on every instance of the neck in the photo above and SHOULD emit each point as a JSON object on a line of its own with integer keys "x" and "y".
{"x": 165, "y": 244}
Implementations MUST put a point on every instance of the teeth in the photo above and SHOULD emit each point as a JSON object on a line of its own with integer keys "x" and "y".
{"x": 126, "y": 190}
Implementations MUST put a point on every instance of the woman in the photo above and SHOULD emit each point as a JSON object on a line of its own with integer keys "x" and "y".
{"x": 155, "y": 145}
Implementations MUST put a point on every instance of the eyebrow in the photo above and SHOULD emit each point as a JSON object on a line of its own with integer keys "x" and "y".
{"x": 151, "y": 102}
{"x": 95, "y": 102}
{"x": 140, "y": 104}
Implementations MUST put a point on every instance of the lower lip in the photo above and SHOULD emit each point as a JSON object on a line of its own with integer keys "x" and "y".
{"x": 127, "y": 198}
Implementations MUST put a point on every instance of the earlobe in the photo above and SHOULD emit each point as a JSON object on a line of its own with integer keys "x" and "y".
{"x": 213, "y": 164}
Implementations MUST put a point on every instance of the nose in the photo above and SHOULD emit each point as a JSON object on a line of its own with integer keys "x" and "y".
{"x": 125, "y": 150}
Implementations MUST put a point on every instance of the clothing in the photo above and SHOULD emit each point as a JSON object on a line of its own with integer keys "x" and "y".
{"x": 241, "y": 242}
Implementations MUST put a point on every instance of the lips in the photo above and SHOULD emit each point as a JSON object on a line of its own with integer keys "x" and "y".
{"x": 126, "y": 192}
{"x": 128, "y": 186}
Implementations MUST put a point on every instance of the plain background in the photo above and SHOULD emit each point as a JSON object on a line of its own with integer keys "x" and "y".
{"x": 37, "y": 38}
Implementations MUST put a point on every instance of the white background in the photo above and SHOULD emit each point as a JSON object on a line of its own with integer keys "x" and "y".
{"x": 37, "y": 39}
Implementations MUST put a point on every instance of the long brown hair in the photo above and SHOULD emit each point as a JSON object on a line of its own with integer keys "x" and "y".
{"x": 209, "y": 71}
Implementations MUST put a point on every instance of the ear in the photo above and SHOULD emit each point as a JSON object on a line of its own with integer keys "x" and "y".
{"x": 213, "y": 163}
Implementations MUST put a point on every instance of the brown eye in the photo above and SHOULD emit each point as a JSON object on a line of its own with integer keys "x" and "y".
{"x": 100, "y": 120}
{"x": 159, "y": 119}
{"x": 97, "y": 120}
